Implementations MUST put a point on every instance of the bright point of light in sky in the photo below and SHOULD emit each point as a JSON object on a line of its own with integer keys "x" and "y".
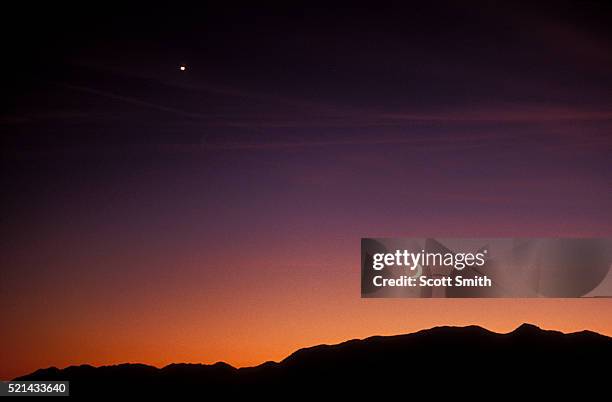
{"x": 182, "y": 67}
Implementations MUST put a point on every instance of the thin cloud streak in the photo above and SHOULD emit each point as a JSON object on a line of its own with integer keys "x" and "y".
{"x": 135, "y": 101}
{"x": 312, "y": 114}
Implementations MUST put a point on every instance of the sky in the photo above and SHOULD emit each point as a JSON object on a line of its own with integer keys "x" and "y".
{"x": 215, "y": 214}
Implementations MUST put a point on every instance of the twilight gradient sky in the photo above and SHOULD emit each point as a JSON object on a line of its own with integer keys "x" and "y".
{"x": 157, "y": 216}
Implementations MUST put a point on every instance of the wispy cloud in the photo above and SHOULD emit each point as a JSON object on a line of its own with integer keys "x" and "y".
{"x": 135, "y": 101}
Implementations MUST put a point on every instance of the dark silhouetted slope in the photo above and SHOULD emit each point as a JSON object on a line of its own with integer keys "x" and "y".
{"x": 440, "y": 359}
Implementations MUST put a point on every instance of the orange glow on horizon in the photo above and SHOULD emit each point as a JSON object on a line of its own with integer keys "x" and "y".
{"x": 247, "y": 326}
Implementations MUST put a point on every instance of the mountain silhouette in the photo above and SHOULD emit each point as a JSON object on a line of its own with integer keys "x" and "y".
{"x": 443, "y": 360}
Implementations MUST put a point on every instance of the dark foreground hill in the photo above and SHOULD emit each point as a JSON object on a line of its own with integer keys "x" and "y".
{"x": 438, "y": 361}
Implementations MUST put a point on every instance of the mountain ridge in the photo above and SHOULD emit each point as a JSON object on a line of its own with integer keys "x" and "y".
{"x": 359, "y": 361}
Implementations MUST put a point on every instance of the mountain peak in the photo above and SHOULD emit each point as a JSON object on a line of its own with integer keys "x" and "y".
{"x": 527, "y": 328}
